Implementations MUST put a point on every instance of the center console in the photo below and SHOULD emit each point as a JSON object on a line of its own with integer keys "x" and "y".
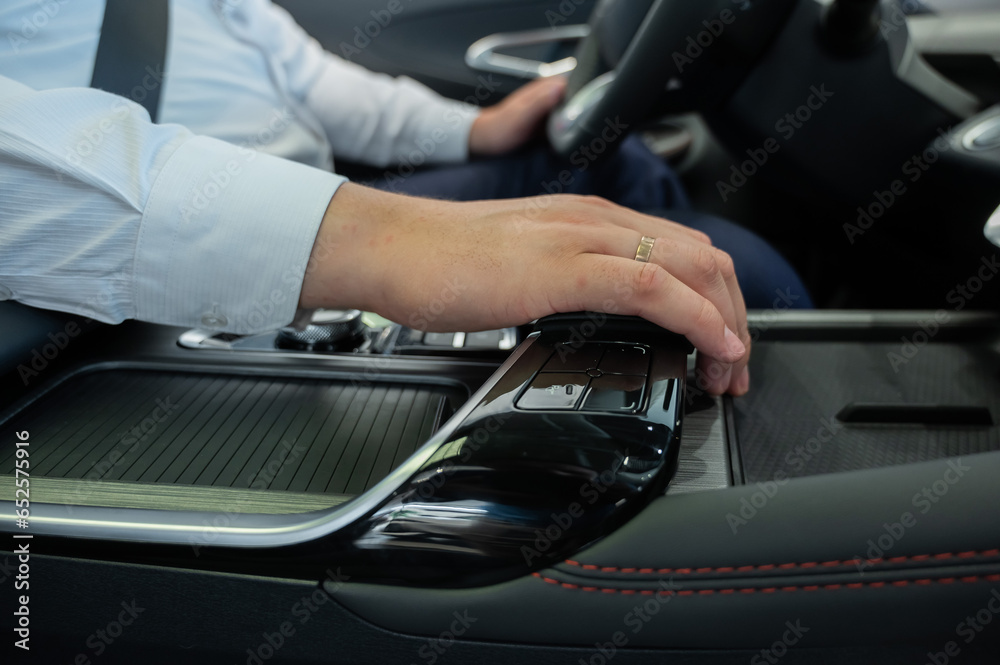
{"x": 356, "y": 332}
{"x": 580, "y": 479}
{"x": 571, "y": 436}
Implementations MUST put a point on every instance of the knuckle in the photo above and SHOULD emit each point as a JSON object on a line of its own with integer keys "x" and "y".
{"x": 703, "y": 237}
{"x": 725, "y": 265}
{"x": 648, "y": 279}
{"x": 577, "y": 209}
{"x": 705, "y": 265}
{"x": 574, "y": 199}
{"x": 595, "y": 201}
{"x": 706, "y": 315}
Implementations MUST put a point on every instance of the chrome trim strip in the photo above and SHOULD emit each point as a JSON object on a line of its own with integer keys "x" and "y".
{"x": 703, "y": 462}
{"x": 914, "y": 71}
{"x": 977, "y": 130}
{"x": 508, "y": 339}
{"x": 202, "y": 339}
{"x": 770, "y": 318}
{"x": 482, "y": 54}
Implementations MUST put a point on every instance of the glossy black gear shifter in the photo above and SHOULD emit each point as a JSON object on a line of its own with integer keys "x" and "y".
{"x": 575, "y": 434}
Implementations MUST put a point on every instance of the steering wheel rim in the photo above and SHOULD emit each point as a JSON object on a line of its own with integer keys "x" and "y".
{"x": 683, "y": 56}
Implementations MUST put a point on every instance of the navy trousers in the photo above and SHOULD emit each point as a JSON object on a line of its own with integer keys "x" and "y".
{"x": 633, "y": 177}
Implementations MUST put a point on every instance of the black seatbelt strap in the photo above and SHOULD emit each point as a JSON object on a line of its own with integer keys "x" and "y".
{"x": 132, "y": 52}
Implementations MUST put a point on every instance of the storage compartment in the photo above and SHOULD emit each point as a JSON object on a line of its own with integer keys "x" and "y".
{"x": 909, "y": 404}
{"x": 193, "y": 440}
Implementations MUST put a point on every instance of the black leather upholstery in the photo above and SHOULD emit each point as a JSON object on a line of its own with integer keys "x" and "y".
{"x": 802, "y": 558}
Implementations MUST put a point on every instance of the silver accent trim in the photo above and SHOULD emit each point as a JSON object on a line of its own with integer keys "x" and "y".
{"x": 977, "y": 130}
{"x": 458, "y": 341}
{"x": 957, "y": 33}
{"x": 992, "y": 224}
{"x": 323, "y": 316}
{"x": 482, "y": 54}
{"x": 200, "y": 529}
{"x": 703, "y": 459}
{"x": 508, "y": 339}
{"x": 912, "y": 69}
{"x": 201, "y": 338}
{"x": 769, "y": 318}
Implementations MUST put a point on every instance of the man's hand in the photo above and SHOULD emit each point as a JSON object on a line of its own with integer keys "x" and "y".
{"x": 446, "y": 266}
{"x": 508, "y": 125}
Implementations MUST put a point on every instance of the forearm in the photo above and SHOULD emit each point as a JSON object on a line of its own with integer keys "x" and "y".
{"x": 339, "y": 272}
{"x": 387, "y": 253}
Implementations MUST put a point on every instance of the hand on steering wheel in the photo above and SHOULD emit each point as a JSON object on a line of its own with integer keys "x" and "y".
{"x": 511, "y": 123}
{"x": 628, "y": 67}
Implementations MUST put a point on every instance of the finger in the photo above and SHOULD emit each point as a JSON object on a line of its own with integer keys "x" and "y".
{"x": 740, "y": 383}
{"x": 703, "y": 268}
{"x": 638, "y": 221}
{"x": 550, "y": 89}
{"x": 624, "y": 286}
{"x": 649, "y": 225}
{"x": 533, "y": 101}
{"x": 710, "y": 273}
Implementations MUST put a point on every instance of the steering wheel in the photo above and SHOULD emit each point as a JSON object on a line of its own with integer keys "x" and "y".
{"x": 644, "y": 58}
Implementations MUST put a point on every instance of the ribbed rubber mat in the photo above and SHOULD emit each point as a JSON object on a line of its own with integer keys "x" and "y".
{"x": 798, "y": 389}
{"x": 276, "y": 433}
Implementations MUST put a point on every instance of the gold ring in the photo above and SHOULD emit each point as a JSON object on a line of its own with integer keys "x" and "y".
{"x": 645, "y": 249}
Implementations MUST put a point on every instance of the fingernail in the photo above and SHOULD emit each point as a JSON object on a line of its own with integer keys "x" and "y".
{"x": 743, "y": 383}
{"x": 736, "y": 348}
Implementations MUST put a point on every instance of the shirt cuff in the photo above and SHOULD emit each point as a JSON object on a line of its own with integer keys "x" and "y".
{"x": 226, "y": 236}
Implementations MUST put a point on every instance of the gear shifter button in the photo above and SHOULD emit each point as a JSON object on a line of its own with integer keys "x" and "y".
{"x": 625, "y": 359}
{"x": 615, "y": 394}
{"x": 560, "y": 392}
{"x": 569, "y": 358}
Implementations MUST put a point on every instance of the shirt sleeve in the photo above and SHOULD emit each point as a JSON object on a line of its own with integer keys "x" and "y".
{"x": 368, "y": 117}
{"x": 106, "y": 215}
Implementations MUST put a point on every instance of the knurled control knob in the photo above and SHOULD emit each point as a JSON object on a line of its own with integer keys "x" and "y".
{"x": 329, "y": 330}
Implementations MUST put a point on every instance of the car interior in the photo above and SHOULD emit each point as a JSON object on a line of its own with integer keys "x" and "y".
{"x": 359, "y": 491}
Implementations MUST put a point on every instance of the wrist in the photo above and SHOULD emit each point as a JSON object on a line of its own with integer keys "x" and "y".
{"x": 338, "y": 273}
{"x": 481, "y": 134}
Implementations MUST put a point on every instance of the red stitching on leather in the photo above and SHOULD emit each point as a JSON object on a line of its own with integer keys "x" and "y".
{"x": 806, "y": 587}
{"x": 783, "y": 566}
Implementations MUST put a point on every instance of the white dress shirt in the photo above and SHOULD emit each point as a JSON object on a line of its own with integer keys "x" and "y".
{"x": 207, "y": 219}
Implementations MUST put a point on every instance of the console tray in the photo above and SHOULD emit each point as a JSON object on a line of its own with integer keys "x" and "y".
{"x": 103, "y": 435}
